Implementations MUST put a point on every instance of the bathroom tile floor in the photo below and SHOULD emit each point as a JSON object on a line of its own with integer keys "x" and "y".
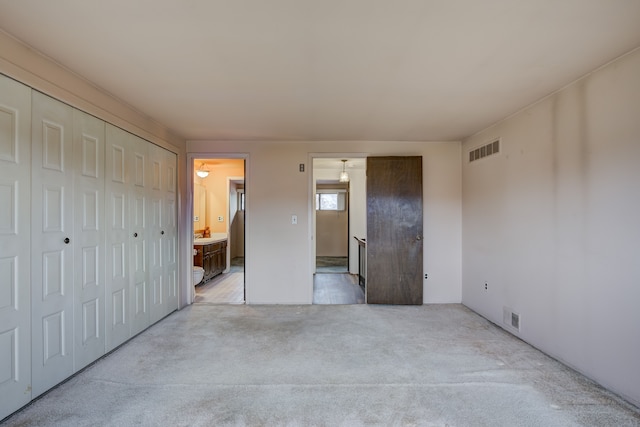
{"x": 226, "y": 288}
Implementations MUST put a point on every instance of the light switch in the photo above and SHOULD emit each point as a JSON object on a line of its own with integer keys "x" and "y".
{"x": 294, "y": 219}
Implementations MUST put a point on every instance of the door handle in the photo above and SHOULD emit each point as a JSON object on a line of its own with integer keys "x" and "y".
{"x": 135, "y": 234}
{"x": 162, "y": 232}
{"x": 66, "y": 240}
{"x": 418, "y": 237}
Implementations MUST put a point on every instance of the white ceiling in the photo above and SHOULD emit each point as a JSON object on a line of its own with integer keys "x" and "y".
{"x": 327, "y": 69}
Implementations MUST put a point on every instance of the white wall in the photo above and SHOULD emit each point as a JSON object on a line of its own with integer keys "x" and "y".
{"x": 279, "y": 258}
{"x": 552, "y": 225}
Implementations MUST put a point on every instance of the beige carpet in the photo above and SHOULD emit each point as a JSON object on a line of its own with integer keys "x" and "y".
{"x": 321, "y": 365}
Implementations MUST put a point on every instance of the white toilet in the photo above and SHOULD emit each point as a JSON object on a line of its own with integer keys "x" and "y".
{"x": 198, "y": 275}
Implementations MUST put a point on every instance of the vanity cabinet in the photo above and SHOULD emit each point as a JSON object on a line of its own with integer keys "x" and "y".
{"x": 212, "y": 258}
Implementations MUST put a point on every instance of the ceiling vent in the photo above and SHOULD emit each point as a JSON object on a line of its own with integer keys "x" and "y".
{"x": 484, "y": 151}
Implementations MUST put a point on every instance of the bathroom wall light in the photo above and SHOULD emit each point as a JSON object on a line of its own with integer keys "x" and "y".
{"x": 202, "y": 172}
{"x": 344, "y": 176}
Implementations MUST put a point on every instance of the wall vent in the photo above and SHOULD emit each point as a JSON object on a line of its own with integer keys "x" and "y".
{"x": 511, "y": 319}
{"x": 515, "y": 320}
{"x": 484, "y": 151}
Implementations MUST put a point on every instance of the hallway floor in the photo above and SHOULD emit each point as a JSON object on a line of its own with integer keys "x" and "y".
{"x": 319, "y": 365}
{"x": 329, "y": 288}
{"x": 334, "y": 288}
{"x": 332, "y": 264}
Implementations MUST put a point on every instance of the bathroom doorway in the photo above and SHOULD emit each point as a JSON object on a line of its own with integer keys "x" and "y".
{"x": 219, "y": 228}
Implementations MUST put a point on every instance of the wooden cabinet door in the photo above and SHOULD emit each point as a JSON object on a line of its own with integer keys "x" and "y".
{"x": 15, "y": 237}
{"x": 394, "y": 230}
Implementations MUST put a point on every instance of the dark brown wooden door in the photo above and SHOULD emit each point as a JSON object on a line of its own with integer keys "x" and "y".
{"x": 394, "y": 230}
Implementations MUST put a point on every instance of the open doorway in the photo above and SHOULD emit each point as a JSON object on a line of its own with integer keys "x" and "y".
{"x": 218, "y": 226}
{"x": 339, "y": 215}
{"x": 332, "y": 226}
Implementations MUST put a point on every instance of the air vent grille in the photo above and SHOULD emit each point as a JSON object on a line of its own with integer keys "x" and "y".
{"x": 511, "y": 319}
{"x": 483, "y": 151}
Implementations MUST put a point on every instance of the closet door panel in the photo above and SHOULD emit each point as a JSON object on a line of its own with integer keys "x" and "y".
{"x": 118, "y": 177}
{"x": 158, "y": 297}
{"x": 138, "y": 196}
{"x": 51, "y": 244}
{"x": 170, "y": 229}
{"x": 15, "y": 255}
{"x": 89, "y": 236}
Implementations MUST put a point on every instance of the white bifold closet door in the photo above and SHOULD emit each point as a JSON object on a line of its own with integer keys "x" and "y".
{"x": 170, "y": 229}
{"x": 68, "y": 241}
{"x": 15, "y": 256}
{"x": 139, "y": 234}
{"x": 51, "y": 242}
{"x": 159, "y": 289}
{"x": 88, "y": 238}
{"x": 162, "y": 236}
{"x": 141, "y": 241}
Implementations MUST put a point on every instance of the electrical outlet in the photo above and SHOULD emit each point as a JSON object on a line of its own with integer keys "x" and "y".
{"x": 196, "y": 218}
{"x": 426, "y": 276}
{"x": 486, "y": 286}
{"x": 220, "y": 218}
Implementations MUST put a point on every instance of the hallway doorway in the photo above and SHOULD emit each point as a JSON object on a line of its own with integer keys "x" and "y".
{"x": 339, "y": 214}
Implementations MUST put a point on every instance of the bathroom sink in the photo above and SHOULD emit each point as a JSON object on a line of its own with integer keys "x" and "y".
{"x": 215, "y": 238}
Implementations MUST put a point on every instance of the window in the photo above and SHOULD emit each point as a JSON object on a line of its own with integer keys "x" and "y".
{"x": 240, "y": 200}
{"x": 330, "y": 200}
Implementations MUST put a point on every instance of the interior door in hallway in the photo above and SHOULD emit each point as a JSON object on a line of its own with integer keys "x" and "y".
{"x": 394, "y": 230}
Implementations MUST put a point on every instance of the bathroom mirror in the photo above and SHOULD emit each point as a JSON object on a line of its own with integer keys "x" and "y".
{"x": 199, "y": 207}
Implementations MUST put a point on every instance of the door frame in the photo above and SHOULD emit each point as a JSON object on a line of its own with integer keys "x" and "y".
{"x": 191, "y": 156}
{"x": 311, "y": 210}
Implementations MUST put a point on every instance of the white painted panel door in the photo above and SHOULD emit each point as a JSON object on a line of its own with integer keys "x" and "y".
{"x": 138, "y": 258}
{"x": 89, "y": 236}
{"x": 51, "y": 243}
{"x": 118, "y": 178}
{"x": 157, "y": 284}
{"x": 15, "y": 255}
{"x": 170, "y": 230}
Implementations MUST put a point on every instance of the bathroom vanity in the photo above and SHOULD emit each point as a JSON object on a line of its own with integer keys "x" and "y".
{"x": 211, "y": 255}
